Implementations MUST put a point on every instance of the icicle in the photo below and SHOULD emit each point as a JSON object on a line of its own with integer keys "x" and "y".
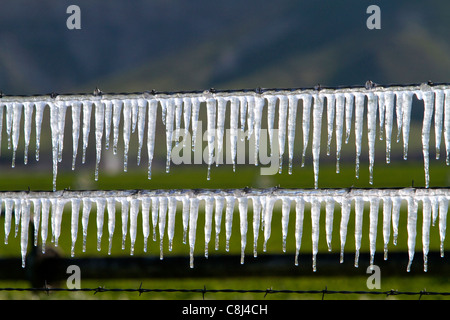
{"x": 387, "y": 216}
{"x": 299, "y": 215}
{"x": 329, "y": 215}
{"x": 163, "y": 205}
{"x": 117, "y": 110}
{"x": 426, "y": 205}
{"x": 185, "y": 217}
{"x": 218, "y": 211}
{"x": 331, "y": 110}
{"x": 17, "y": 214}
{"x": 38, "y": 119}
{"x": 381, "y": 111}
{"x": 359, "y": 212}
{"x": 195, "y": 111}
{"x": 438, "y": 117}
{"x": 234, "y": 129}
{"x": 373, "y": 224}
{"x": 434, "y": 209}
{"x": 134, "y": 114}
{"x": 145, "y": 202}
{"x": 178, "y": 112}
{"x": 256, "y": 202}
{"x": 443, "y": 209}
{"x": 389, "y": 118}
{"x": 169, "y": 130}
{"x": 359, "y": 123}
{"x": 155, "y": 207}
{"x": 99, "y": 124}
{"x": 44, "y": 221}
{"x": 76, "y": 113}
{"x": 193, "y": 215}
{"x": 221, "y": 108}
{"x": 243, "y": 206}
{"x": 101, "y": 203}
{"x": 62, "y": 108}
{"x": 399, "y": 113}
{"x": 307, "y": 101}
{"x": 187, "y": 103}
{"x": 74, "y": 223}
{"x": 228, "y": 220}
{"x": 36, "y": 219}
{"x": 285, "y": 212}
{"x": 172, "y": 210}
{"x": 268, "y": 211}
{"x": 1, "y": 125}
{"x": 58, "y": 207}
{"x": 87, "y": 204}
{"x": 9, "y": 121}
{"x": 411, "y": 228}
{"x": 134, "y": 211}
{"x": 315, "y": 219}
{"x": 317, "y": 130}
{"x": 243, "y": 113}
{"x": 271, "y": 102}
{"x": 55, "y": 136}
{"x": 28, "y": 113}
{"x": 345, "y": 215}
{"x": 282, "y": 114}
{"x": 9, "y": 204}
{"x": 108, "y": 118}
{"x": 447, "y": 125}
{"x": 250, "y": 115}
{"x": 127, "y": 113}
{"x": 124, "y": 215}
{"x": 340, "y": 104}
{"x": 211, "y": 133}
{"x": 151, "y": 127}
{"x": 111, "y": 208}
{"x": 371, "y": 130}
{"x": 24, "y": 229}
{"x": 141, "y": 127}
{"x": 17, "y": 113}
{"x": 406, "y": 111}
{"x": 87, "y": 109}
{"x": 396, "y": 204}
{"x": 292, "y": 117}
{"x": 209, "y": 206}
{"x": 349, "y": 101}
{"x": 428, "y": 99}
{"x": 258, "y": 110}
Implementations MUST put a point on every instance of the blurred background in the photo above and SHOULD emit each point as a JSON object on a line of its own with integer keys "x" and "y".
{"x": 134, "y": 46}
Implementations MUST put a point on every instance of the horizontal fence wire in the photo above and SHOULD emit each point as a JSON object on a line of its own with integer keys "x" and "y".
{"x": 203, "y": 291}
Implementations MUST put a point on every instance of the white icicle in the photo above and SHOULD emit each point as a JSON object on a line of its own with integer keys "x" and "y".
{"x": 134, "y": 114}
{"x": 228, "y": 220}
{"x": 243, "y": 113}
{"x": 163, "y": 205}
{"x": 329, "y": 217}
{"x": 211, "y": 107}
{"x": 340, "y": 104}
{"x": 195, "y": 111}
{"x": 9, "y": 204}
{"x": 447, "y": 125}
{"x": 345, "y": 216}
{"x": 62, "y": 108}
{"x": 381, "y": 112}
{"x": 24, "y": 229}
{"x": 1, "y": 125}
{"x": 9, "y": 121}
{"x": 349, "y": 101}
{"x": 443, "y": 210}
{"x": 399, "y": 112}
{"x": 170, "y": 103}
{"x": 185, "y": 217}
{"x": 268, "y": 211}
{"x": 134, "y": 211}
{"x": 285, "y": 212}
{"x": 38, "y": 119}
{"x": 243, "y": 206}
{"x": 389, "y": 119}
{"x": 178, "y": 113}
{"x": 76, "y": 113}
{"x": 412, "y": 230}
{"x": 428, "y": 99}
{"x": 55, "y": 137}
{"x": 434, "y": 210}
{"x": 317, "y": 130}
{"x": 141, "y": 126}
{"x": 282, "y": 114}
{"x": 127, "y": 112}
{"x": 258, "y": 110}
{"x": 111, "y": 209}
{"x": 387, "y": 216}
{"x": 193, "y": 215}
{"x": 59, "y": 209}
{"x": 187, "y": 108}
{"x": 108, "y": 118}
{"x": 292, "y": 118}
{"x": 218, "y": 211}
{"x": 331, "y": 110}
{"x": 371, "y": 130}
{"x": 17, "y": 214}
{"x": 221, "y": 108}
{"x": 396, "y": 204}
{"x": 256, "y": 202}
{"x": 117, "y": 111}
{"x": 306, "y": 116}
{"x": 299, "y": 215}
{"x": 438, "y": 117}
{"x": 124, "y": 215}
{"x": 359, "y": 213}
{"x": 87, "y": 204}
{"x": 74, "y": 223}
{"x": 234, "y": 111}
{"x": 426, "y": 222}
{"x": 373, "y": 224}
{"x": 359, "y": 124}
{"x": 101, "y": 204}
{"x": 155, "y": 207}
{"x": 315, "y": 219}
{"x": 271, "y": 103}
{"x": 99, "y": 124}
{"x": 87, "y": 109}
{"x": 209, "y": 206}
{"x": 151, "y": 127}
{"x": 406, "y": 122}
{"x": 250, "y": 115}
{"x": 17, "y": 114}
{"x": 44, "y": 221}
{"x": 36, "y": 219}
{"x": 28, "y": 113}
{"x": 172, "y": 210}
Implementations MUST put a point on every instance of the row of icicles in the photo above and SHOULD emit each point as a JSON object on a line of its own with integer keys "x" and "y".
{"x": 158, "y": 209}
{"x": 245, "y": 111}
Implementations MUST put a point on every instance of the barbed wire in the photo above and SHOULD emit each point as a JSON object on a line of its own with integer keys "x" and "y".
{"x": 203, "y": 291}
